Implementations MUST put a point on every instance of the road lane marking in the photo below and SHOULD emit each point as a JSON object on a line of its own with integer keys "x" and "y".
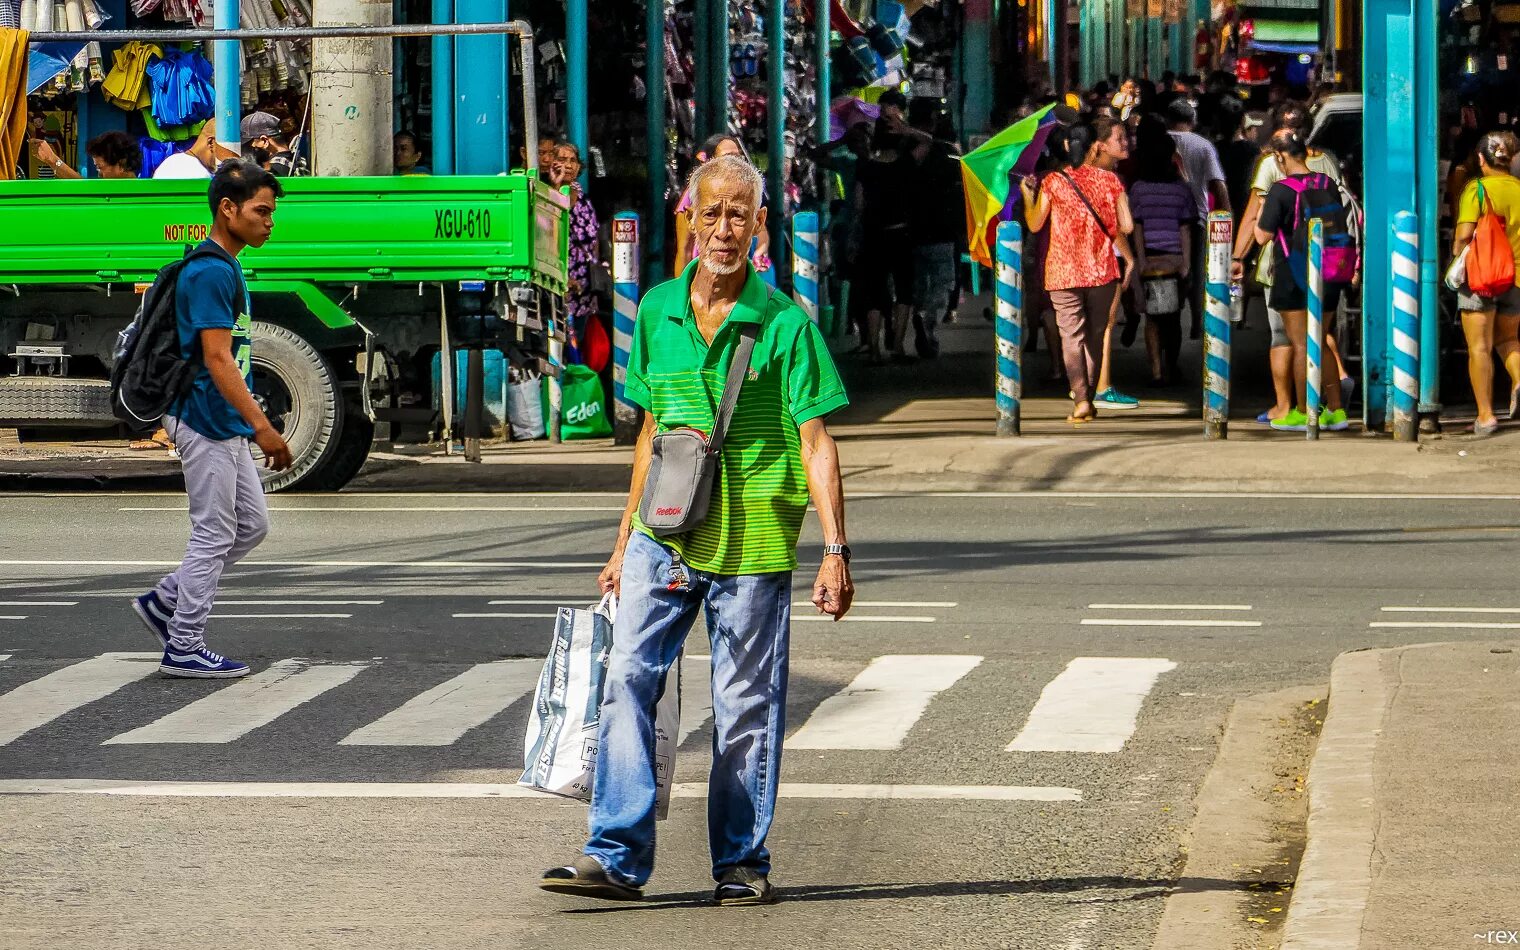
{"x": 506, "y": 616}
{"x": 1092, "y": 706}
{"x": 1442, "y": 625}
{"x": 696, "y": 695}
{"x": 565, "y": 601}
{"x": 12, "y": 616}
{"x": 247, "y": 704}
{"x": 689, "y": 790}
{"x": 299, "y": 603}
{"x": 411, "y": 565}
{"x": 42, "y": 700}
{"x": 39, "y": 603}
{"x": 922, "y": 604}
{"x": 1168, "y": 606}
{"x": 281, "y": 616}
{"x": 416, "y": 509}
{"x": 806, "y": 618}
{"x": 446, "y": 712}
{"x": 4, "y": 657}
{"x": 1132, "y": 622}
{"x": 881, "y": 705}
{"x": 1451, "y": 610}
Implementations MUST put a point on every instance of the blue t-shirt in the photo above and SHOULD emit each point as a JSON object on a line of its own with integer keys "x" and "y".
{"x": 212, "y": 295}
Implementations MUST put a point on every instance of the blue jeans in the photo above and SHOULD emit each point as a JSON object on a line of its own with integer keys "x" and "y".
{"x": 748, "y": 619}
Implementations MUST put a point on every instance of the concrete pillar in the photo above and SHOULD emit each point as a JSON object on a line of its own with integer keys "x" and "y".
{"x": 351, "y": 91}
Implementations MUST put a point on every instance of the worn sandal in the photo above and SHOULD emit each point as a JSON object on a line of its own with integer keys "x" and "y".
{"x": 743, "y": 887}
{"x": 587, "y": 878}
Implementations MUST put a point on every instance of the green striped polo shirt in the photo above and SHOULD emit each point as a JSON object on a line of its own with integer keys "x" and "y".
{"x": 762, "y": 493}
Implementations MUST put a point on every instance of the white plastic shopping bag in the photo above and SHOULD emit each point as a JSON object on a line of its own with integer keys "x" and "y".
{"x": 525, "y": 412}
{"x": 560, "y": 751}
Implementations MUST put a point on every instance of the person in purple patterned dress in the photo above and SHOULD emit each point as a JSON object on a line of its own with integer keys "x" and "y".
{"x": 580, "y": 302}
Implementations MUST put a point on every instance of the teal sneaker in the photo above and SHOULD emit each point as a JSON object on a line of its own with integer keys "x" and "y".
{"x": 1334, "y": 421}
{"x": 1294, "y": 421}
{"x": 1111, "y": 398}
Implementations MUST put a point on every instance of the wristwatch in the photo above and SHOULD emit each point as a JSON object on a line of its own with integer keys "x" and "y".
{"x": 843, "y": 550}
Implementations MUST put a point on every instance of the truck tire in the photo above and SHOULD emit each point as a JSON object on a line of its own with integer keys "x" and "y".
{"x": 348, "y": 454}
{"x": 299, "y": 392}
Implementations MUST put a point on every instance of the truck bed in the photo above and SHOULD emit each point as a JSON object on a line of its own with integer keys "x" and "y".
{"x": 327, "y": 230}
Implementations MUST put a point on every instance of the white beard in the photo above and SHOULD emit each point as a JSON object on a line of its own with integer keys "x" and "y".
{"x": 723, "y": 270}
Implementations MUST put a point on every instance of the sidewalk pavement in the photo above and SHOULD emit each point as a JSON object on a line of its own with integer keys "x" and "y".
{"x": 1414, "y": 807}
{"x": 930, "y": 426}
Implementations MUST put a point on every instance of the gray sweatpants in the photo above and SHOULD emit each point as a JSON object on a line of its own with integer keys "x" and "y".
{"x": 228, "y": 518}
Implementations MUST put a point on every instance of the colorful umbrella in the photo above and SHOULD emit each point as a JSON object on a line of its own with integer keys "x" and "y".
{"x": 986, "y": 170}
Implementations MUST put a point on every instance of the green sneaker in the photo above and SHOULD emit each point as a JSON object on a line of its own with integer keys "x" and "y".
{"x": 1334, "y": 421}
{"x": 1294, "y": 421}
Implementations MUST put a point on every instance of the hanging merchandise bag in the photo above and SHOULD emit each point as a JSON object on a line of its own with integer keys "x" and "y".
{"x": 561, "y": 747}
{"x": 584, "y": 404}
{"x": 525, "y": 412}
{"x": 1490, "y": 259}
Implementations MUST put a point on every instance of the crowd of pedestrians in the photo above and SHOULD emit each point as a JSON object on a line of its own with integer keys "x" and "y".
{"x": 1117, "y": 216}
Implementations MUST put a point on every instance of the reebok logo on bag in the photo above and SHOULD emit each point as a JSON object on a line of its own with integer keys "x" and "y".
{"x": 1491, "y": 260}
{"x": 1320, "y": 196}
{"x": 148, "y": 373}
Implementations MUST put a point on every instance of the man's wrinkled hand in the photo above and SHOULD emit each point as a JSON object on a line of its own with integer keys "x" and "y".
{"x": 611, "y": 578}
{"x": 833, "y": 591}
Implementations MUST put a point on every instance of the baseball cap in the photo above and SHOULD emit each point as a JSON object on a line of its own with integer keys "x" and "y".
{"x": 258, "y": 124}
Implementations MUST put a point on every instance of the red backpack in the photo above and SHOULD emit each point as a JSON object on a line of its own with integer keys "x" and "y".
{"x": 1490, "y": 258}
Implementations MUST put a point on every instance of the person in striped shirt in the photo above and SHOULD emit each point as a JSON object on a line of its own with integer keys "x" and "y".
{"x": 735, "y": 566}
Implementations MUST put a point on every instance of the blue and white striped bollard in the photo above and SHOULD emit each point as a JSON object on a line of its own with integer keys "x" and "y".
{"x": 625, "y": 308}
{"x": 1406, "y": 327}
{"x": 805, "y": 262}
{"x": 1010, "y": 325}
{"x": 1313, "y": 375}
{"x": 1216, "y": 327}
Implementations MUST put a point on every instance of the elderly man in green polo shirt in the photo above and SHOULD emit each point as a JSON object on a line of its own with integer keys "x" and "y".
{"x": 736, "y": 565}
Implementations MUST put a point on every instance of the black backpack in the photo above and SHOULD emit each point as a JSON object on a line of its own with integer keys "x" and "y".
{"x": 1320, "y": 196}
{"x": 149, "y": 374}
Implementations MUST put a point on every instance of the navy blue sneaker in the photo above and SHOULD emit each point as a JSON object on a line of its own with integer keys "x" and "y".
{"x": 155, "y": 616}
{"x": 200, "y": 663}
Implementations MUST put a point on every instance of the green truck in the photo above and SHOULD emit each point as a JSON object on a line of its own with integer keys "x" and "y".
{"x": 365, "y": 281}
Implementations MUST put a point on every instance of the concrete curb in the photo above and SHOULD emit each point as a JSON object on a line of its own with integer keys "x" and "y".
{"x": 1335, "y": 878}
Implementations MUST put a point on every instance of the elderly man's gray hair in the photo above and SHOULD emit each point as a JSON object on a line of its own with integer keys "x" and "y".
{"x": 731, "y": 168}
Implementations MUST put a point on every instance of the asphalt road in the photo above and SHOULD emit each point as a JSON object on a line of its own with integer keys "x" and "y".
{"x": 361, "y": 607}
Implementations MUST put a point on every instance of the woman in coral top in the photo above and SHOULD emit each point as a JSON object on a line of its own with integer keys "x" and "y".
{"x": 1088, "y": 215}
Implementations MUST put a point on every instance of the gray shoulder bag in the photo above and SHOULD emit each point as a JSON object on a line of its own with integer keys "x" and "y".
{"x": 683, "y": 462}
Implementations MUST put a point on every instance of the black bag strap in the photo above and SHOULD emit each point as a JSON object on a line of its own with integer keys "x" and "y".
{"x": 736, "y": 372}
{"x": 1090, "y": 209}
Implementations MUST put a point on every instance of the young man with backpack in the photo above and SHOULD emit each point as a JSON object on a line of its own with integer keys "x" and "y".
{"x": 212, "y": 418}
{"x": 1284, "y": 223}
{"x": 1488, "y": 231}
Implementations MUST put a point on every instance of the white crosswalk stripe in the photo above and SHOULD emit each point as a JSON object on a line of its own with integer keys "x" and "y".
{"x": 1093, "y": 706}
{"x": 449, "y": 710}
{"x": 40, "y": 701}
{"x": 236, "y": 710}
{"x": 879, "y": 708}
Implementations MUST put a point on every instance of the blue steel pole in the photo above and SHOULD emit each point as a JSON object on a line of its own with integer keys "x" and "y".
{"x": 805, "y": 262}
{"x": 1316, "y": 341}
{"x": 443, "y": 92}
{"x": 1010, "y": 325}
{"x": 654, "y": 133}
{"x": 701, "y": 36}
{"x": 824, "y": 72}
{"x": 576, "y": 83}
{"x": 775, "y": 120}
{"x": 1216, "y": 327}
{"x": 1405, "y": 333}
{"x": 1427, "y": 204}
{"x": 625, "y": 309}
{"x": 227, "y": 75}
